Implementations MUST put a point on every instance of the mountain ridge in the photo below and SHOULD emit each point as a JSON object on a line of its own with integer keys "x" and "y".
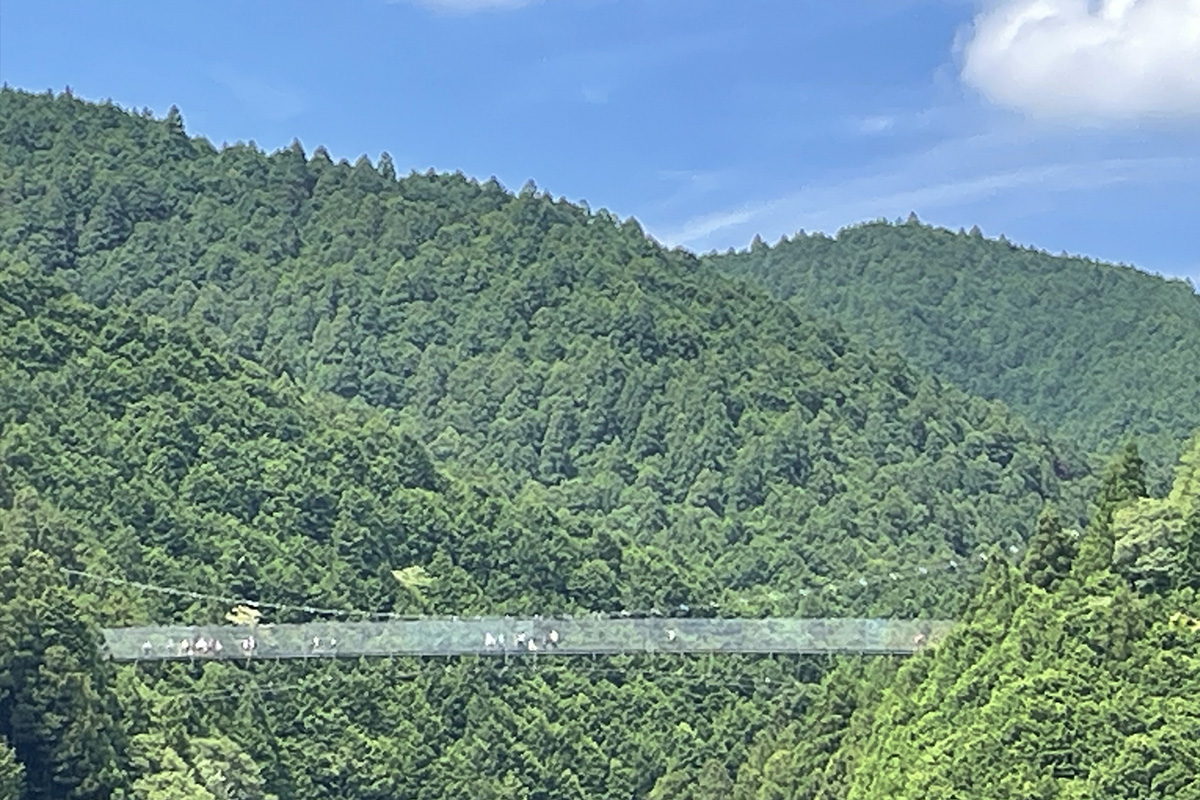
{"x": 1093, "y": 351}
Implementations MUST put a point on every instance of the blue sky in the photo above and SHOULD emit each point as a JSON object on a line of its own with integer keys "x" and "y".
{"x": 1065, "y": 124}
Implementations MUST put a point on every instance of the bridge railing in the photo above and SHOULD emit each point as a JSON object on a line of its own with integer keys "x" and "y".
{"x": 528, "y": 636}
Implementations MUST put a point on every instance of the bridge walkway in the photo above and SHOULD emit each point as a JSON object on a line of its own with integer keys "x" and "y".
{"x": 526, "y": 636}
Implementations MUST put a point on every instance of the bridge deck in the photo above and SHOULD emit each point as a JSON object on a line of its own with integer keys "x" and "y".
{"x": 497, "y": 636}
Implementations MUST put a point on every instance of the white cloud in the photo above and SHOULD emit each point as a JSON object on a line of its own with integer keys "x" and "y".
{"x": 469, "y": 6}
{"x": 1089, "y": 60}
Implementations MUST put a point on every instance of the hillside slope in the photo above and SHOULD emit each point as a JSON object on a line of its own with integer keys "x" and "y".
{"x": 136, "y": 449}
{"x": 281, "y": 378}
{"x": 744, "y": 451}
{"x": 1095, "y": 352}
{"x": 1074, "y": 676}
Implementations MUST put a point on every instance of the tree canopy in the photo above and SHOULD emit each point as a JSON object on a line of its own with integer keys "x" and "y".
{"x": 232, "y": 377}
{"x": 722, "y": 441}
{"x": 1093, "y": 351}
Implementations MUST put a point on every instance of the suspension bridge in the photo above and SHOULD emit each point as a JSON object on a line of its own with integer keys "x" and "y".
{"x": 523, "y": 637}
{"x": 509, "y": 636}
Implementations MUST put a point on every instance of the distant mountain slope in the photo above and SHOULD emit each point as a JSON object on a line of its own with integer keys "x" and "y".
{"x": 734, "y": 448}
{"x": 1093, "y": 351}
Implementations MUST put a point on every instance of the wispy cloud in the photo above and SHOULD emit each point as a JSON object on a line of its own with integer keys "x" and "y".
{"x": 698, "y": 229}
{"x": 595, "y": 74}
{"x": 938, "y": 120}
{"x": 693, "y": 182}
{"x": 1046, "y": 177}
{"x": 947, "y": 176}
{"x": 875, "y": 125}
{"x": 1087, "y": 59}
{"x": 595, "y": 95}
{"x": 468, "y": 6}
{"x": 686, "y": 188}
{"x": 259, "y": 97}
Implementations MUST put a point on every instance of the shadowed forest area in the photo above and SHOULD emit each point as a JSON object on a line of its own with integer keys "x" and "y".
{"x": 281, "y": 378}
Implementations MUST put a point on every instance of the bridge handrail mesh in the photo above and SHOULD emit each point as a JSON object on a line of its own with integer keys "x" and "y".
{"x": 512, "y": 636}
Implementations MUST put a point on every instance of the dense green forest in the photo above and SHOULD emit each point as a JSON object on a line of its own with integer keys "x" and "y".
{"x": 724, "y": 440}
{"x": 1093, "y": 351}
{"x": 1072, "y": 675}
{"x": 280, "y": 378}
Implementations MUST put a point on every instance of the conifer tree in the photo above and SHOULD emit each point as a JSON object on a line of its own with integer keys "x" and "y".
{"x": 1051, "y": 551}
{"x": 386, "y": 167}
{"x": 6, "y": 488}
{"x": 1190, "y": 567}
{"x": 1124, "y": 481}
{"x": 999, "y": 595}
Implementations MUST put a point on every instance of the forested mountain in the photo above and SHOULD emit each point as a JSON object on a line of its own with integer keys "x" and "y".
{"x": 134, "y": 448}
{"x": 1072, "y": 676}
{"x": 729, "y": 442}
{"x": 1096, "y": 352}
{"x": 275, "y": 377}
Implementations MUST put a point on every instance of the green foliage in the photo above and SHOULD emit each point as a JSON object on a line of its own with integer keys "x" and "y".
{"x": 227, "y": 481}
{"x": 134, "y": 425}
{"x": 207, "y": 769}
{"x": 1124, "y": 481}
{"x": 1095, "y": 352}
{"x": 630, "y": 399}
{"x": 1087, "y": 691}
{"x": 285, "y": 380}
{"x": 1051, "y": 551}
{"x": 415, "y": 579}
{"x": 56, "y": 706}
{"x": 1122, "y": 484}
{"x": 1154, "y": 539}
{"x": 11, "y": 773}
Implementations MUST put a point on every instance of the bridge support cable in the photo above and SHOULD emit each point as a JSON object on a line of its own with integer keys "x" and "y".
{"x": 964, "y": 569}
